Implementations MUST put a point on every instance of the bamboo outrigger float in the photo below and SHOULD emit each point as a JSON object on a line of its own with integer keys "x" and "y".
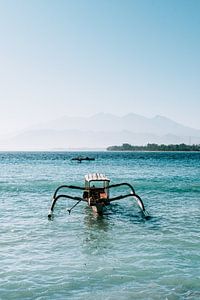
{"x": 96, "y": 194}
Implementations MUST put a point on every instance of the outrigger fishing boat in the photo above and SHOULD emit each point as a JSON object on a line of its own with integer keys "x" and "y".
{"x": 96, "y": 194}
{"x": 80, "y": 158}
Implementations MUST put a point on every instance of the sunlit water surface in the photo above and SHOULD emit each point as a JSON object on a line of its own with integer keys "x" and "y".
{"x": 117, "y": 256}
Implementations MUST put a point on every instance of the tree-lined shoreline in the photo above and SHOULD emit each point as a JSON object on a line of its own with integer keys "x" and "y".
{"x": 155, "y": 147}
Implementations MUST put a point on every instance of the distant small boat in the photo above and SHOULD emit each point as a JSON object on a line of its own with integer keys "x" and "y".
{"x": 80, "y": 158}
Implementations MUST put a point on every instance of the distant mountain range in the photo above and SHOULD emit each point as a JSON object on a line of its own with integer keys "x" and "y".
{"x": 100, "y": 131}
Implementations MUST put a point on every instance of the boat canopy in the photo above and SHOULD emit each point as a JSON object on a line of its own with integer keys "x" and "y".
{"x": 96, "y": 177}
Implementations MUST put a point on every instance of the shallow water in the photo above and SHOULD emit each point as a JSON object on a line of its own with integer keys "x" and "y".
{"x": 117, "y": 256}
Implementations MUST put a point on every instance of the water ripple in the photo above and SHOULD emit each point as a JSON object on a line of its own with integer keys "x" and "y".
{"x": 117, "y": 256}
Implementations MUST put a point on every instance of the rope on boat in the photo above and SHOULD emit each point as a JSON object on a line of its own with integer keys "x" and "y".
{"x": 69, "y": 210}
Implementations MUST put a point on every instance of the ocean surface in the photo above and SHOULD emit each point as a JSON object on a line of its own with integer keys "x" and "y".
{"x": 117, "y": 256}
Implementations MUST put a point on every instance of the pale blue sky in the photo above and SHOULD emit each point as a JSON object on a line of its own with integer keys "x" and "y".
{"x": 81, "y": 57}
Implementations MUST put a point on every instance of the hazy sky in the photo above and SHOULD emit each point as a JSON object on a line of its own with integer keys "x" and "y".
{"x": 81, "y": 57}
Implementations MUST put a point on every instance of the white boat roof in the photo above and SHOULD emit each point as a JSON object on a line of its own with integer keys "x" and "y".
{"x": 96, "y": 177}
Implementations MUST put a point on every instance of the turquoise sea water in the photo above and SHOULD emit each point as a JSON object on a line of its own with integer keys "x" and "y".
{"x": 117, "y": 256}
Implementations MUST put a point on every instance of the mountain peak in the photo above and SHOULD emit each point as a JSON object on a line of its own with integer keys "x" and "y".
{"x": 160, "y": 117}
{"x": 102, "y": 130}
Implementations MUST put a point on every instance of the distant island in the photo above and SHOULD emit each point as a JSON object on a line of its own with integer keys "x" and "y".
{"x": 155, "y": 147}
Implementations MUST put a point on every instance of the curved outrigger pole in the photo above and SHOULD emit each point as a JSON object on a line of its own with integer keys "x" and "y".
{"x": 96, "y": 197}
{"x": 56, "y": 197}
{"x": 132, "y": 194}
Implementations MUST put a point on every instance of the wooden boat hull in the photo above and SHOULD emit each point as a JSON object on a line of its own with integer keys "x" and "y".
{"x": 98, "y": 206}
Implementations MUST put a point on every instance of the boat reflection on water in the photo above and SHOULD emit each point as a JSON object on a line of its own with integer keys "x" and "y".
{"x": 95, "y": 221}
{"x": 98, "y": 233}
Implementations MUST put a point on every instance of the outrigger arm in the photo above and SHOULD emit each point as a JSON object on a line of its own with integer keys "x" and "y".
{"x": 132, "y": 194}
{"x": 56, "y": 197}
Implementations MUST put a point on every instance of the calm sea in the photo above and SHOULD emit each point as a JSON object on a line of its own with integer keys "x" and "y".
{"x": 117, "y": 256}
